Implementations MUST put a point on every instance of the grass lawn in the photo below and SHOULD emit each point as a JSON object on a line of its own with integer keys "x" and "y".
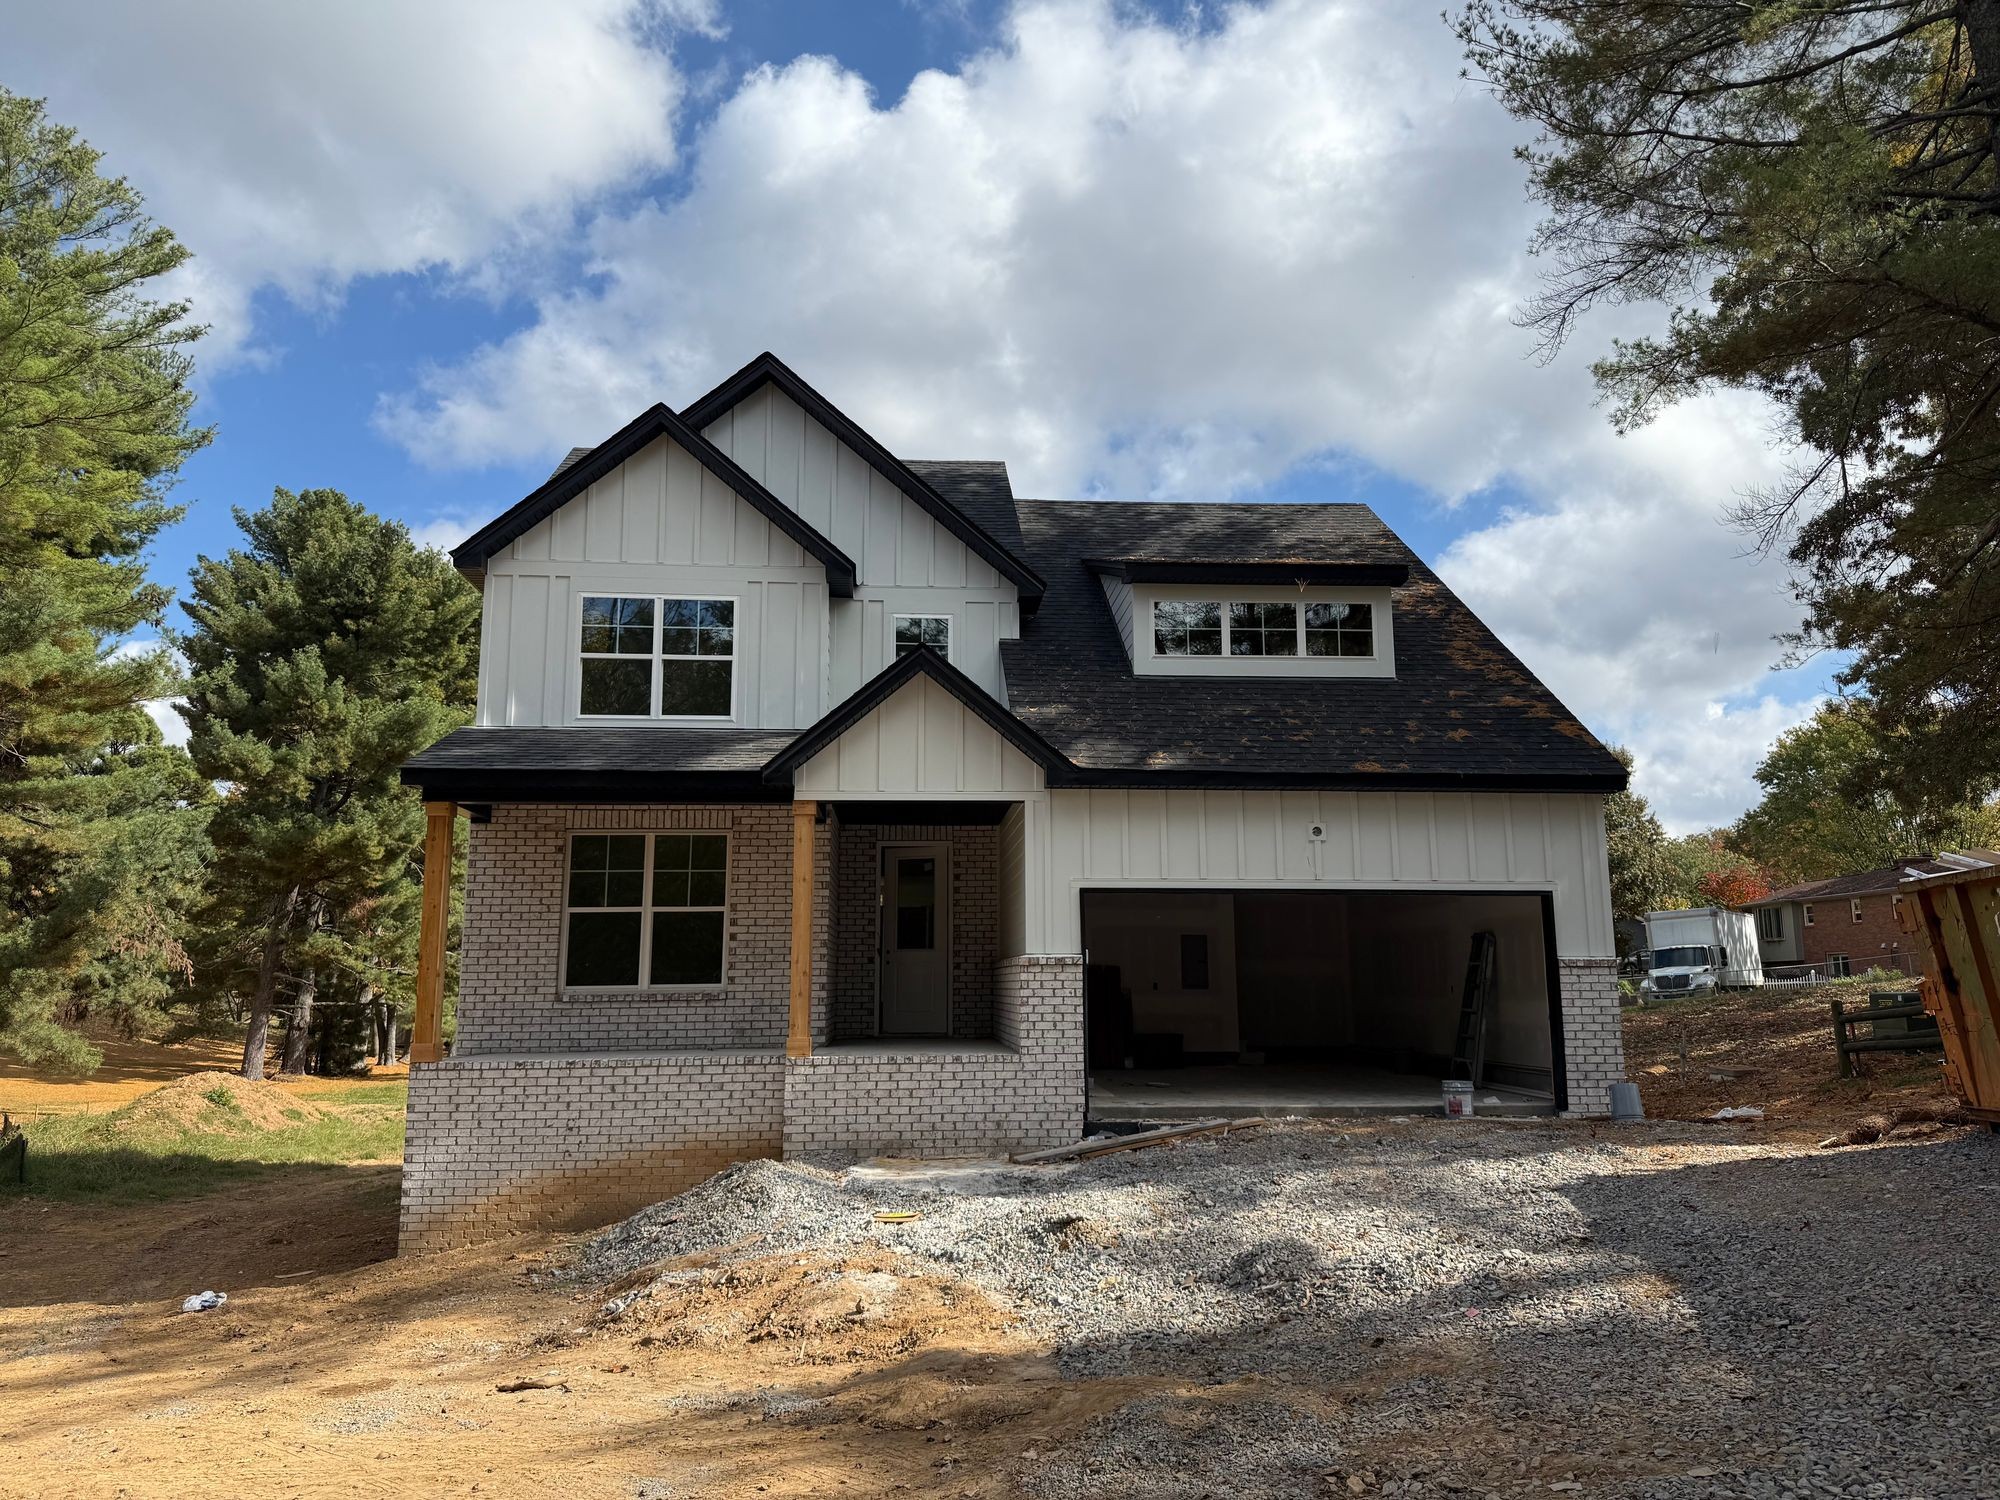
{"x": 142, "y": 1153}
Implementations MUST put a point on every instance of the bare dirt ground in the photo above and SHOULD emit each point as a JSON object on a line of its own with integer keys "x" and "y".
{"x": 335, "y": 1369}
{"x": 132, "y": 1068}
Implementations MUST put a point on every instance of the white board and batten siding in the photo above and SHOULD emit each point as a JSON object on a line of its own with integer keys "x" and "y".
{"x": 660, "y": 523}
{"x": 905, "y": 562}
{"x": 1385, "y": 841}
{"x": 921, "y": 742}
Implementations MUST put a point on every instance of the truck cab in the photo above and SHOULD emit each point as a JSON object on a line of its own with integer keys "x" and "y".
{"x": 1689, "y": 969}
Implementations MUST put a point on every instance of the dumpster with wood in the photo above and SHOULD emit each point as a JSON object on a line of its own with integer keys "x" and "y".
{"x": 1956, "y": 918}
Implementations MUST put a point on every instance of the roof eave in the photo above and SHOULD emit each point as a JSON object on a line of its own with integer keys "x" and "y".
{"x": 1167, "y": 570}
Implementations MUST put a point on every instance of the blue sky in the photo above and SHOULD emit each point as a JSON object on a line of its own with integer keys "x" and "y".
{"x": 1269, "y": 252}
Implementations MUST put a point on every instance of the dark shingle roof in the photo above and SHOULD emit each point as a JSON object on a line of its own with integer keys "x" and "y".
{"x": 648, "y": 750}
{"x": 567, "y": 459}
{"x": 1461, "y": 709}
{"x": 979, "y": 489}
{"x": 1860, "y": 883}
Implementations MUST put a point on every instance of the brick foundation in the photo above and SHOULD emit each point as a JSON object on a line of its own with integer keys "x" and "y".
{"x": 1593, "y": 1034}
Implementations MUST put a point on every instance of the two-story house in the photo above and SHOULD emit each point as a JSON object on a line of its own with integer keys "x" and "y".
{"x": 824, "y": 802}
{"x": 1845, "y": 925}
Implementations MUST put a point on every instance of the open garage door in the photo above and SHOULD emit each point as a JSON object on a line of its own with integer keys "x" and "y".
{"x": 1316, "y": 1002}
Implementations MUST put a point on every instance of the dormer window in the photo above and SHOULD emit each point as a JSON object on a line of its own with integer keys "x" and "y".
{"x": 1340, "y": 630}
{"x": 1238, "y": 628}
{"x": 1263, "y": 630}
{"x": 656, "y": 656}
{"x": 1182, "y": 628}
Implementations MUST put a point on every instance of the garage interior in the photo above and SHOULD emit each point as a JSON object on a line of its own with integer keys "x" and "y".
{"x": 1255, "y": 1002}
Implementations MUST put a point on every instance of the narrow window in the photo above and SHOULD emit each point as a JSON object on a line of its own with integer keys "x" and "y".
{"x": 1854, "y": 907}
{"x": 1187, "y": 628}
{"x": 1263, "y": 630}
{"x": 645, "y": 909}
{"x": 606, "y": 916}
{"x": 1806, "y": 915}
{"x": 618, "y": 646}
{"x": 690, "y": 883}
{"x": 697, "y": 657}
{"x": 1340, "y": 630}
{"x": 914, "y": 631}
{"x": 1194, "y": 960}
{"x": 1771, "y": 923}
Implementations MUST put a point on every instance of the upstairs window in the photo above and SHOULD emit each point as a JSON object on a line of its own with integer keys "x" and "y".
{"x": 645, "y": 910}
{"x": 1771, "y": 923}
{"x": 913, "y": 631}
{"x": 1187, "y": 629}
{"x": 1806, "y": 915}
{"x": 1263, "y": 630}
{"x": 1190, "y": 627}
{"x": 1340, "y": 630}
{"x": 651, "y": 656}
{"x": 1854, "y": 907}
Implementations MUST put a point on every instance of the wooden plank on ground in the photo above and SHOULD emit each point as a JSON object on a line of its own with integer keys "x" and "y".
{"x": 1106, "y": 1147}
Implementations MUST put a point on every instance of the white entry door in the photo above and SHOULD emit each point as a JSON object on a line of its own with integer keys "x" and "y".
{"x": 915, "y": 963}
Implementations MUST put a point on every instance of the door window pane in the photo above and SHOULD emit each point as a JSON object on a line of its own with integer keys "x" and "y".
{"x": 1263, "y": 630}
{"x": 916, "y": 904}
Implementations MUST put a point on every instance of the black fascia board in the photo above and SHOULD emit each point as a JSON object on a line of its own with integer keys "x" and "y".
{"x": 924, "y": 662}
{"x": 768, "y": 367}
{"x": 1161, "y": 570}
{"x": 1215, "y": 779}
{"x": 658, "y": 420}
{"x": 487, "y": 785}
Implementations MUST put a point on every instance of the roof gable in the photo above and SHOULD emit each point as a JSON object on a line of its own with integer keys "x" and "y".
{"x": 768, "y": 369}
{"x": 582, "y": 469}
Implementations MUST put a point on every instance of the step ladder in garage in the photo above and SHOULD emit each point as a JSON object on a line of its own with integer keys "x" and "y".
{"x": 1468, "y": 1059}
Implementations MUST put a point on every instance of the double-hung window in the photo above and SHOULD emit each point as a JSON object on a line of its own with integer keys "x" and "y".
{"x": 645, "y": 910}
{"x": 649, "y": 656}
{"x": 1854, "y": 907}
{"x": 1194, "y": 627}
{"x": 916, "y": 631}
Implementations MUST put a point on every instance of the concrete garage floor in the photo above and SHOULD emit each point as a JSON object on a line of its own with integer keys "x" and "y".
{"x": 1247, "y": 1092}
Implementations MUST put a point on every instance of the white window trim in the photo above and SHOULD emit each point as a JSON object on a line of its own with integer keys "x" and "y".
{"x": 1223, "y": 607}
{"x": 1776, "y": 922}
{"x": 578, "y": 656}
{"x": 1854, "y": 907}
{"x": 1806, "y": 914}
{"x": 1147, "y": 659}
{"x": 950, "y": 630}
{"x": 646, "y": 910}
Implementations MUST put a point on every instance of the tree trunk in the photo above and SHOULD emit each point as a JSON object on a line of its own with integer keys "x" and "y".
{"x": 298, "y": 1031}
{"x": 257, "y": 1040}
{"x": 1982, "y": 36}
{"x": 382, "y": 1024}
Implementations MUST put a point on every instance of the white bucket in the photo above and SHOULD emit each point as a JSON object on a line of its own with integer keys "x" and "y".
{"x": 1457, "y": 1099}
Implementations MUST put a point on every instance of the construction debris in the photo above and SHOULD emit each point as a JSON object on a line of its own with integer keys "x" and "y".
{"x": 1105, "y": 1145}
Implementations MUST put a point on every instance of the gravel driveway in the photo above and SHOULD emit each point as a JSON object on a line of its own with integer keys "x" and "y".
{"x": 1418, "y": 1307}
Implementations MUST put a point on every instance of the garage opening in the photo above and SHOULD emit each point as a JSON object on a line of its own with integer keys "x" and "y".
{"x": 1318, "y": 1002}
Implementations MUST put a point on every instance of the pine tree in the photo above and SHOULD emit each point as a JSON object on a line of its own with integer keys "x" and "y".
{"x": 324, "y": 654}
{"x": 100, "y": 824}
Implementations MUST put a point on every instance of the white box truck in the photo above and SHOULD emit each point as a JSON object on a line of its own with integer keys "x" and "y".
{"x": 1704, "y": 948}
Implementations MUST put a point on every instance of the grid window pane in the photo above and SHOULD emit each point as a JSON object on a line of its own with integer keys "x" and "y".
{"x": 623, "y": 627}
{"x": 688, "y": 869}
{"x": 603, "y": 948}
{"x": 913, "y": 631}
{"x": 698, "y": 627}
{"x": 1263, "y": 630}
{"x": 1340, "y": 630}
{"x": 1186, "y": 628}
{"x": 612, "y": 685}
{"x": 687, "y": 947}
{"x": 695, "y": 687}
{"x": 605, "y": 869}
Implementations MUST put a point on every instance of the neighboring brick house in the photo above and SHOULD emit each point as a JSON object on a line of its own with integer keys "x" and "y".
{"x": 1845, "y": 925}
{"x": 812, "y": 792}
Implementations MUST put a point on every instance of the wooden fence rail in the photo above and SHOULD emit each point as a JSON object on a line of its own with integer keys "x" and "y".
{"x": 1846, "y": 1045}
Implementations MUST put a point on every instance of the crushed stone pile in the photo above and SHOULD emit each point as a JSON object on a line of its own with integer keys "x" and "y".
{"x": 1424, "y": 1307}
{"x": 217, "y": 1104}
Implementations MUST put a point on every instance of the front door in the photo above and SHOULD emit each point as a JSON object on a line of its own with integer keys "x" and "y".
{"x": 916, "y": 963}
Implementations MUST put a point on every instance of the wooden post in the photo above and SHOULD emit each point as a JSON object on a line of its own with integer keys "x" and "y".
{"x": 798, "y": 1040}
{"x": 427, "y": 1031}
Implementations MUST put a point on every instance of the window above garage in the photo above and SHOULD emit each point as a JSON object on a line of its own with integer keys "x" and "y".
{"x": 1264, "y": 630}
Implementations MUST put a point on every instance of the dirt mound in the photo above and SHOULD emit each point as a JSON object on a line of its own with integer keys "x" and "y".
{"x": 814, "y": 1309}
{"x": 218, "y": 1103}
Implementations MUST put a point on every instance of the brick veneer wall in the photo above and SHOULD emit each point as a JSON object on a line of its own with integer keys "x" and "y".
{"x": 1874, "y": 939}
{"x": 502, "y": 1144}
{"x": 1593, "y": 1034}
{"x": 1027, "y": 1093}
{"x": 511, "y": 999}
{"x": 974, "y": 917}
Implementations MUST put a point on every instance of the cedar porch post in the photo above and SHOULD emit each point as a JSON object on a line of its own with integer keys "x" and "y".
{"x": 798, "y": 1039}
{"x": 427, "y": 1031}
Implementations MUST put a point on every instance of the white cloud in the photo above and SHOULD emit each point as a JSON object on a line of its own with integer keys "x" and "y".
{"x": 300, "y": 146}
{"x": 1139, "y": 260}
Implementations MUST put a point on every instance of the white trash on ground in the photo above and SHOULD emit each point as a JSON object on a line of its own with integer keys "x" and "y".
{"x": 203, "y": 1301}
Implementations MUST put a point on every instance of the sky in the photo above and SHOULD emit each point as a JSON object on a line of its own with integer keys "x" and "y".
{"x": 1255, "y": 252}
